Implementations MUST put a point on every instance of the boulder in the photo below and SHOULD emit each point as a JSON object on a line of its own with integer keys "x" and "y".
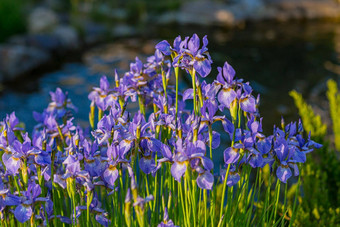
{"x": 42, "y": 20}
{"x": 16, "y": 60}
{"x": 67, "y": 35}
{"x": 123, "y": 30}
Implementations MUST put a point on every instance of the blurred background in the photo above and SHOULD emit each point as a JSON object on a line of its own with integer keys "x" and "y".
{"x": 277, "y": 45}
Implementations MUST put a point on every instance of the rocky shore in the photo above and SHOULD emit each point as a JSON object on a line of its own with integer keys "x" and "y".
{"x": 54, "y": 35}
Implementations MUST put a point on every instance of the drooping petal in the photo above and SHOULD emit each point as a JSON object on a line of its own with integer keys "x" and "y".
{"x": 283, "y": 173}
{"x": 110, "y": 175}
{"x": 299, "y": 156}
{"x": 264, "y": 145}
{"x": 23, "y": 213}
{"x": 101, "y": 219}
{"x": 42, "y": 159}
{"x": 164, "y": 47}
{"x": 146, "y": 164}
{"x": 188, "y": 94}
{"x": 207, "y": 163}
{"x": 256, "y": 160}
{"x": 226, "y": 96}
{"x": 231, "y": 155}
{"x": 215, "y": 140}
{"x": 154, "y": 145}
{"x": 228, "y": 126}
{"x": 233, "y": 178}
{"x": 203, "y": 67}
{"x": 12, "y": 200}
{"x": 248, "y": 104}
{"x": 12, "y": 164}
{"x": 178, "y": 170}
{"x": 205, "y": 180}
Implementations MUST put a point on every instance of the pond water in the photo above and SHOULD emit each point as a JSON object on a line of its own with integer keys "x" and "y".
{"x": 275, "y": 58}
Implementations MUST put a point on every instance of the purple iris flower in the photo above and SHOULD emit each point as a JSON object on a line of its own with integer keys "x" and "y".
{"x": 142, "y": 201}
{"x": 290, "y": 148}
{"x": 178, "y": 46}
{"x": 24, "y": 211}
{"x": 195, "y": 58}
{"x": 60, "y": 103}
{"x": 104, "y": 129}
{"x": 245, "y": 144}
{"x": 92, "y": 157}
{"x": 115, "y": 156}
{"x": 234, "y": 90}
{"x": 149, "y": 148}
{"x": 233, "y": 176}
{"x": 247, "y": 101}
{"x": 192, "y": 155}
{"x": 11, "y": 163}
{"x": 95, "y": 208}
{"x": 12, "y": 122}
{"x": 101, "y": 96}
{"x": 7, "y": 137}
{"x": 166, "y": 221}
{"x": 46, "y": 214}
{"x": 8, "y": 199}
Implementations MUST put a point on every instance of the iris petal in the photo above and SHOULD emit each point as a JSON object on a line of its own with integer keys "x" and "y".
{"x": 205, "y": 180}
{"x": 226, "y": 96}
{"x": 231, "y": 155}
{"x": 178, "y": 170}
{"x": 283, "y": 173}
{"x": 110, "y": 176}
{"x": 23, "y": 213}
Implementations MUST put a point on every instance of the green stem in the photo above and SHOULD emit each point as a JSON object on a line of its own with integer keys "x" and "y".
{"x": 223, "y": 192}
{"x": 277, "y": 193}
{"x": 141, "y": 105}
{"x": 205, "y": 208}
{"x": 295, "y": 203}
{"x": 193, "y": 76}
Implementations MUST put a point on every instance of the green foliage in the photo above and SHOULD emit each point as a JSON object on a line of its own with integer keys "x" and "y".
{"x": 334, "y": 106}
{"x": 311, "y": 122}
{"x": 11, "y": 18}
{"x": 320, "y": 200}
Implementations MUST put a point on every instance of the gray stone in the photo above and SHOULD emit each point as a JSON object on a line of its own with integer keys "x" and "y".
{"x": 123, "y": 30}
{"x": 94, "y": 32}
{"x": 42, "y": 20}
{"x": 118, "y": 14}
{"x": 231, "y": 13}
{"x": 67, "y": 35}
{"x": 16, "y": 60}
{"x": 48, "y": 42}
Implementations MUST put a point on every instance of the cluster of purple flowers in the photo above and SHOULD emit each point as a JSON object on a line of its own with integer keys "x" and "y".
{"x": 61, "y": 154}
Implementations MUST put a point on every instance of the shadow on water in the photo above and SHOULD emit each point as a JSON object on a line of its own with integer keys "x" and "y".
{"x": 275, "y": 58}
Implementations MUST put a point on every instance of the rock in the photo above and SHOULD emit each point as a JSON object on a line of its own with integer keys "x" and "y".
{"x": 231, "y": 13}
{"x": 67, "y": 35}
{"x": 118, "y": 14}
{"x": 16, "y": 60}
{"x": 205, "y": 13}
{"x": 122, "y": 30}
{"x": 42, "y": 20}
{"x": 46, "y": 42}
{"x": 284, "y": 10}
{"x": 94, "y": 32}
